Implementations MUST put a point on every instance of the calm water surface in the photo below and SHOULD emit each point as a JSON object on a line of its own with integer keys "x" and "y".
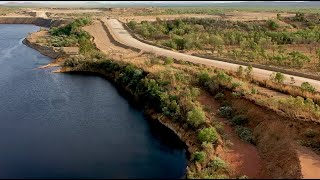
{"x": 73, "y": 126}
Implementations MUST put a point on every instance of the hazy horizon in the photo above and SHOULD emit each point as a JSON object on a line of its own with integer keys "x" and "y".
{"x": 115, "y": 2}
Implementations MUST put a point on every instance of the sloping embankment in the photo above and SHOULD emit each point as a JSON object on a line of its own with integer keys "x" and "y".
{"x": 33, "y": 20}
{"x": 45, "y": 50}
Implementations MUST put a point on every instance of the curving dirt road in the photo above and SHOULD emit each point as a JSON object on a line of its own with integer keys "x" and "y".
{"x": 123, "y": 36}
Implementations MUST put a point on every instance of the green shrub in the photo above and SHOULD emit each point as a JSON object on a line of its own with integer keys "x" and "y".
{"x": 203, "y": 77}
{"x": 243, "y": 177}
{"x": 277, "y": 77}
{"x": 196, "y": 117}
{"x": 219, "y": 95}
{"x": 168, "y": 60}
{"x": 240, "y": 71}
{"x": 236, "y": 94}
{"x": 155, "y": 60}
{"x": 208, "y": 135}
{"x": 272, "y": 25}
{"x": 254, "y": 91}
{"x": 234, "y": 85}
{"x": 239, "y": 120}
{"x": 217, "y": 164}
{"x": 226, "y": 111}
{"x": 310, "y": 133}
{"x": 307, "y": 87}
{"x": 245, "y": 134}
{"x": 199, "y": 156}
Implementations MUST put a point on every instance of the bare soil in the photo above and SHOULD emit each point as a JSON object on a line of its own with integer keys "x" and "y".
{"x": 242, "y": 157}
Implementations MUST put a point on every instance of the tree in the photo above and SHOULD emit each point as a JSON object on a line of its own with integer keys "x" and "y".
{"x": 240, "y": 71}
{"x": 277, "y": 77}
{"x": 196, "y": 117}
{"x": 279, "y": 16}
{"x": 132, "y": 25}
{"x": 199, "y": 156}
{"x": 272, "y": 25}
{"x": 208, "y": 135}
{"x": 216, "y": 41}
{"x": 248, "y": 71}
{"x": 307, "y": 87}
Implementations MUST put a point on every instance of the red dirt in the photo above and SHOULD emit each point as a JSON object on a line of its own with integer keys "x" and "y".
{"x": 242, "y": 157}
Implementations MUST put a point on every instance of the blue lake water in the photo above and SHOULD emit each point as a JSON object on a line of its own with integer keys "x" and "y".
{"x": 55, "y": 125}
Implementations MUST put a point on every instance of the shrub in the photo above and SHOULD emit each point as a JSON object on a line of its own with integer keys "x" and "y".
{"x": 219, "y": 95}
{"x": 277, "y": 77}
{"x": 272, "y": 25}
{"x": 307, "y": 87}
{"x": 245, "y": 134}
{"x": 248, "y": 71}
{"x": 208, "y": 135}
{"x": 240, "y": 71}
{"x": 254, "y": 91}
{"x": 155, "y": 60}
{"x": 226, "y": 111}
{"x": 236, "y": 94}
{"x": 234, "y": 85}
{"x": 239, "y": 120}
{"x": 199, "y": 156}
{"x": 168, "y": 60}
{"x": 203, "y": 77}
{"x": 196, "y": 117}
{"x": 310, "y": 133}
{"x": 217, "y": 164}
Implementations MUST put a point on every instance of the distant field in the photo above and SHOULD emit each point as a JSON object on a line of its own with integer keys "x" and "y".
{"x": 221, "y": 10}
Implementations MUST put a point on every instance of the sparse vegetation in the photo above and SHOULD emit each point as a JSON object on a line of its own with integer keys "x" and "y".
{"x": 208, "y": 135}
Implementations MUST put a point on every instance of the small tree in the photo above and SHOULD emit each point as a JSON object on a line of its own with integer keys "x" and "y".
{"x": 208, "y": 135}
{"x": 248, "y": 71}
{"x": 203, "y": 77}
{"x": 272, "y": 25}
{"x": 196, "y": 117}
{"x": 279, "y": 16}
{"x": 168, "y": 60}
{"x": 307, "y": 87}
{"x": 277, "y": 77}
{"x": 199, "y": 156}
{"x": 240, "y": 71}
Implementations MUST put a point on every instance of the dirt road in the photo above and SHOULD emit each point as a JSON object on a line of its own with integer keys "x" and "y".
{"x": 122, "y": 36}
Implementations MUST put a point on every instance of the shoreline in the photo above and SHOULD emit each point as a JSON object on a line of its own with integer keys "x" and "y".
{"x": 149, "y": 112}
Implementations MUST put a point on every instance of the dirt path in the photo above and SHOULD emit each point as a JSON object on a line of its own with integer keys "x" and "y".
{"x": 123, "y": 36}
{"x": 242, "y": 157}
{"x": 310, "y": 163}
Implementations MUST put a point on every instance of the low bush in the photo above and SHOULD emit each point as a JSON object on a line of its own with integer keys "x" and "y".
{"x": 245, "y": 134}
{"x": 217, "y": 164}
{"x": 226, "y": 111}
{"x": 196, "y": 117}
{"x": 219, "y": 96}
{"x": 239, "y": 120}
{"x": 199, "y": 156}
{"x": 208, "y": 135}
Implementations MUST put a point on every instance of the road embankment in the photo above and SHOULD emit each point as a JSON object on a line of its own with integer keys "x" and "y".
{"x": 44, "y": 22}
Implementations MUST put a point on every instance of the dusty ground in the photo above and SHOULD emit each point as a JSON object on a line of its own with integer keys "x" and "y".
{"x": 242, "y": 157}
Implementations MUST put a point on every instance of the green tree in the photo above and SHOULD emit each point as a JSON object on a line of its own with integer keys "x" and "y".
{"x": 248, "y": 71}
{"x": 199, "y": 156}
{"x": 307, "y": 87}
{"x": 208, "y": 135}
{"x": 216, "y": 41}
{"x": 196, "y": 117}
{"x": 272, "y": 25}
{"x": 277, "y": 77}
